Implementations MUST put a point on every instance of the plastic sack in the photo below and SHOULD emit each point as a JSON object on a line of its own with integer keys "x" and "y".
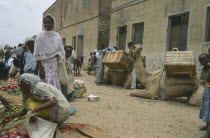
{"x": 41, "y": 128}
{"x": 62, "y": 73}
{"x": 80, "y": 88}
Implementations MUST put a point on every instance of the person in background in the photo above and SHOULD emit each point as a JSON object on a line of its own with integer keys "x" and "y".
{"x": 27, "y": 61}
{"x": 100, "y": 73}
{"x": 94, "y": 58}
{"x": 20, "y": 45}
{"x": 6, "y": 60}
{"x": 69, "y": 68}
{"x": 94, "y": 66}
{"x": 3, "y": 71}
{"x": 10, "y": 62}
{"x": 49, "y": 52}
{"x": 133, "y": 59}
{"x": 14, "y": 47}
{"x": 74, "y": 55}
{"x": 205, "y": 102}
{"x": 97, "y": 53}
{"x": 15, "y": 67}
{"x": 90, "y": 63}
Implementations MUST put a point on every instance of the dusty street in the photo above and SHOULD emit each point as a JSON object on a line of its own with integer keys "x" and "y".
{"x": 133, "y": 117}
{"x": 127, "y": 116}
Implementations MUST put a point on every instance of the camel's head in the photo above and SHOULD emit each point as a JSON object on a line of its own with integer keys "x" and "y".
{"x": 138, "y": 48}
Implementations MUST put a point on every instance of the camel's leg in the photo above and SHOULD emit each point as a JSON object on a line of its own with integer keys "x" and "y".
{"x": 152, "y": 88}
{"x": 79, "y": 69}
{"x": 196, "y": 96}
{"x": 144, "y": 94}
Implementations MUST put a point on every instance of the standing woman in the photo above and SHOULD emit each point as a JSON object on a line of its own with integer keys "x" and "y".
{"x": 49, "y": 52}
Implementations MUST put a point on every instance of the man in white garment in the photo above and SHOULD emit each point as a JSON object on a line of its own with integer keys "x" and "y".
{"x": 133, "y": 57}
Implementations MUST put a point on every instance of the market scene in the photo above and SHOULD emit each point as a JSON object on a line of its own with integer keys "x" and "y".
{"x": 105, "y": 69}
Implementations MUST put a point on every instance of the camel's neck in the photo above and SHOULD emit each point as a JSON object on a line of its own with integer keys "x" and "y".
{"x": 141, "y": 73}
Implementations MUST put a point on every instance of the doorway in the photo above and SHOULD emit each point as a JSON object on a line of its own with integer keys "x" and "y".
{"x": 74, "y": 42}
{"x": 64, "y": 41}
{"x": 80, "y": 46}
{"x": 178, "y": 31}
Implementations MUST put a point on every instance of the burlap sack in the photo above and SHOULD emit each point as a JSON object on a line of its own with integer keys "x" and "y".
{"x": 62, "y": 73}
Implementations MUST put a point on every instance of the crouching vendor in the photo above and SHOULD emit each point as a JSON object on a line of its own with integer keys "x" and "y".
{"x": 41, "y": 98}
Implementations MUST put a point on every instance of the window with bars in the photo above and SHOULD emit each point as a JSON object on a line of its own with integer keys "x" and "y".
{"x": 207, "y": 30}
{"x": 138, "y": 33}
{"x": 85, "y": 3}
{"x": 67, "y": 11}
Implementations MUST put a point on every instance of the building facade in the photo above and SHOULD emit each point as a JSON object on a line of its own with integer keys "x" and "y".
{"x": 161, "y": 25}
{"x": 83, "y": 24}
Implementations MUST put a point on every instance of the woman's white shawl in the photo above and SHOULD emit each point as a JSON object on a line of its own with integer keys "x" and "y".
{"x": 48, "y": 44}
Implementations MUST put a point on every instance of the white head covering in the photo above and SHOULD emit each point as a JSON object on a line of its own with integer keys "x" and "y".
{"x": 25, "y": 45}
{"x": 48, "y": 44}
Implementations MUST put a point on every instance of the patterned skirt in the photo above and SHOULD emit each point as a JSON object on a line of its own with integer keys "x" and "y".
{"x": 51, "y": 72}
{"x": 205, "y": 105}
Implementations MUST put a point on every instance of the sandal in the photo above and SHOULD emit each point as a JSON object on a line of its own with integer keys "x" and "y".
{"x": 202, "y": 128}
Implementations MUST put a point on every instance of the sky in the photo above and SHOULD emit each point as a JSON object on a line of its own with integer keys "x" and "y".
{"x": 20, "y": 19}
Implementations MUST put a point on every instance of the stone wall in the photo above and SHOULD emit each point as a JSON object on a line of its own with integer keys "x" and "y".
{"x": 90, "y": 36}
{"x": 155, "y": 15}
{"x": 93, "y": 19}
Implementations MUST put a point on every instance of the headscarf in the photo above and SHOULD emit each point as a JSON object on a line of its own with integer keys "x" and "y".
{"x": 25, "y": 46}
{"x": 48, "y": 44}
{"x": 30, "y": 80}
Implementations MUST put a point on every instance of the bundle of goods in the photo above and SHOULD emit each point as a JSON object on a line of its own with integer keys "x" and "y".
{"x": 80, "y": 88}
{"x": 117, "y": 60}
{"x": 13, "y": 109}
{"x": 9, "y": 85}
{"x": 180, "y": 63}
{"x": 118, "y": 77}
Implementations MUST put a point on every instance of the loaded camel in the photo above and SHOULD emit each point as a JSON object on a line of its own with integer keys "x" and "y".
{"x": 158, "y": 86}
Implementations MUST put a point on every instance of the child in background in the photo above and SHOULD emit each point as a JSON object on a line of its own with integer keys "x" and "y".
{"x": 94, "y": 62}
{"x": 205, "y": 102}
{"x": 94, "y": 58}
{"x": 66, "y": 89}
{"x": 90, "y": 63}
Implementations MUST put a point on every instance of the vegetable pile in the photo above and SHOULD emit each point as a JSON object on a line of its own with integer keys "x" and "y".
{"x": 15, "y": 134}
{"x": 14, "y": 92}
{"x": 13, "y": 109}
{"x": 10, "y": 87}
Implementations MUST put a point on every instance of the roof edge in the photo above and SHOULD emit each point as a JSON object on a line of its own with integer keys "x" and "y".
{"x": 49, "y": 7}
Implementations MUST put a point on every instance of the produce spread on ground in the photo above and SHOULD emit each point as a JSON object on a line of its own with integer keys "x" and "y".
{"x": 15, "y": 133}
{"x": 13, "y": 109}
{"x": 10, "y": 87}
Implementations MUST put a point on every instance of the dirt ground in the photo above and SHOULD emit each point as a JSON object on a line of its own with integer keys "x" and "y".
{"x": 131, "y": 117}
